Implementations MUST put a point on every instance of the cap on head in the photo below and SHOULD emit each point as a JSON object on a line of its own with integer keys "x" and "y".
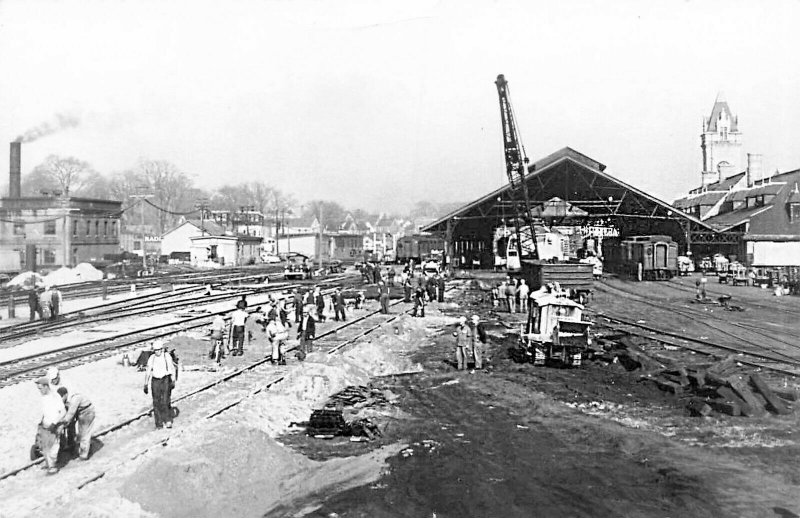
{"x": 475, "y": 319}
{"x": 462, "y": 320}
{"x": 44, "y": 380}
{"x": 158, "y": 344}
{"x": 52, "y": 373}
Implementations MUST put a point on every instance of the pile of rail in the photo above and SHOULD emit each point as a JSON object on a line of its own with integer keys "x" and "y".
{"x": 708, "y": 387}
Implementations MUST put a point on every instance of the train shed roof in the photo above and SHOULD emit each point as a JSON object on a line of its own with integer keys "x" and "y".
{"x": 593, "y": 197}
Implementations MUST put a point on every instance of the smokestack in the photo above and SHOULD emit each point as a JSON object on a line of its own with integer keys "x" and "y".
{"x": 754, "y": 168}
{"x": 15, "y": 171}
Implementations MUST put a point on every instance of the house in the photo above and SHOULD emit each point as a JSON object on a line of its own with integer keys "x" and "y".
{"x": 221, "y": 250}
{"x": 130, "y": 240}
{"x": 179, "y": 239}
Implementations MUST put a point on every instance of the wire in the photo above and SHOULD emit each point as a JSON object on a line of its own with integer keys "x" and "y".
{"x": 169, "y": 211}
{"x": 59, "y": 218}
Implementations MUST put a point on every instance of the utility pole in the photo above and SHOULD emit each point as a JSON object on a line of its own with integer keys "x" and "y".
{"x": 141, "y": 198}
{"x": 202, "y": 204}
{"x": 319, "y": 254}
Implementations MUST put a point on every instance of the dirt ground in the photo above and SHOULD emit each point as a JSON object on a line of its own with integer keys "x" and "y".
{"x": 509, "y": 440}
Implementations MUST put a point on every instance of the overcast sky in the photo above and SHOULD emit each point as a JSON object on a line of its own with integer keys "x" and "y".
{"x": 380, "y": 104}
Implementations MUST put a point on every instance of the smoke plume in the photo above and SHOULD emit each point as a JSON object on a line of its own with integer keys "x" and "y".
{"x": 61, "y": 121}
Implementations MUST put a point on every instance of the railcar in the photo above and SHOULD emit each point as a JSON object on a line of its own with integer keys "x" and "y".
{"x": 651, "y": 258}
{"x": 418, "y": 247}
{"x": 347, "y": 248}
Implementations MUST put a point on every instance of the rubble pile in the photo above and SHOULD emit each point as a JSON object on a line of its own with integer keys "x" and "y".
{"x": 708, "y": 387}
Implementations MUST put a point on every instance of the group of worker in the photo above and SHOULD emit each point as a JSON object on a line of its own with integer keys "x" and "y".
{"x": 470, "y": 339}
{"x": 67, "y": 418}
{"x": 45, "y": 302}
{"x": 511, "y": 295}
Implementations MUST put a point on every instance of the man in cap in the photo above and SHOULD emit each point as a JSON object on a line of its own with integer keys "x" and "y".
{"x": 217, "y": 351}
{"x": 477, "y": 340}
{"x": 297, "y": 299}
{"x": 49, "y": 429}
{"x": 306, "y": 331}
{"x": 54, "y": 375}
{"x": 80, "y": 414}
{"x": 463, "y": 336}
{"x": 339, "y": 305}
{"x": 159, "y": 377}
{"x": 383, "y": 289}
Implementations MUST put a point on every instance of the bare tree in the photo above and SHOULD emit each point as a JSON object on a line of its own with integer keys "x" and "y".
{"x": 60, "y": 175}
{"x": 171, "y": 188}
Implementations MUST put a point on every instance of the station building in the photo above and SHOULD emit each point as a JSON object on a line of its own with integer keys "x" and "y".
{"x": 53, "y": 231}
{"x": 572, "y": 192}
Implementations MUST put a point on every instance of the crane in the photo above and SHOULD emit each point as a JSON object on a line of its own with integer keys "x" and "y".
{"x": 516, "y": 163}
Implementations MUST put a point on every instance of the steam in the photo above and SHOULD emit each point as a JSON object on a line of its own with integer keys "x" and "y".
{"x": 61, "y": 122}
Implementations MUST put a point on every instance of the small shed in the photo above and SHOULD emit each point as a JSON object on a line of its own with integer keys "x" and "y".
{"x": 225, "y": 250}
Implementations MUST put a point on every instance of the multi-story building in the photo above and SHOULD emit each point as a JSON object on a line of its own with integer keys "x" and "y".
{"x": 53, "y": 231}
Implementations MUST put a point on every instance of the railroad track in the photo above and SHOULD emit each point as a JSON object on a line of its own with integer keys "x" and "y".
{"x": 716, "y": 292}
{"x": 331, "y": 341}
{"x": 748, "y": 353}
{"x": 26, "y": 368}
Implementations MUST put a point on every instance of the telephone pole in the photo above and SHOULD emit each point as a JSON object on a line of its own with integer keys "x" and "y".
{"x": 141, "y": 198}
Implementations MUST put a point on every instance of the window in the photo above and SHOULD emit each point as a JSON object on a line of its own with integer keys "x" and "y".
{"x": 49, "y": 256}
{"x": 105, "y": 228}
{"x": 114, "y": 228}
{"x": 794, "y": 212}
{"x": 74, "y": 227}
{"x": 19, "y": 229}
{"x": 88, "y": 227}
{"x": 137, "y": 245}
{"x": 97, "y": 228}
{"x": 50, "y": 228}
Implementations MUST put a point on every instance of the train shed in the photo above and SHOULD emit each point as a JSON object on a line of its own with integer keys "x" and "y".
{"x": 570, "y": 190}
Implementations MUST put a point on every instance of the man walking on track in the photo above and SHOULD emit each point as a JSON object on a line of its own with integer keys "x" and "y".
{"x": 160, "y": 378}
{"x": 238, "y": 321}
{"x": 384, "y": 294}
{"x": 339, "y": 305}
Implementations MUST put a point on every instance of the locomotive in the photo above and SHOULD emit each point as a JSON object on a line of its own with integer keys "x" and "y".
{"x": 650, "y": 258}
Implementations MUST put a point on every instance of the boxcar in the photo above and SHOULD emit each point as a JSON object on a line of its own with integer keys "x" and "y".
{"x": 418, "y": 247}
{"x": 650, "y": 258}
{"x": 347, "y": 248}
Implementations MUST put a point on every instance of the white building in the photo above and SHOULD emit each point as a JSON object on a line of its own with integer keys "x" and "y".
{"x": 179, "y": 239}
{"x": 215, "y": 251}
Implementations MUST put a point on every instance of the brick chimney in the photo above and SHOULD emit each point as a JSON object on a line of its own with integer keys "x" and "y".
{"x": 15, "y": 173}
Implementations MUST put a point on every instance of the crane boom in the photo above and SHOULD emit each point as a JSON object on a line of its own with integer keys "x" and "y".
{"x": 516, "y": 161}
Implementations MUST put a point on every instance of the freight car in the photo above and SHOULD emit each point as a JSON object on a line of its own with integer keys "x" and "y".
{"x": 651, "y": 258}
{"x": 347, "y": 248}
{"x": 418, "y": 247}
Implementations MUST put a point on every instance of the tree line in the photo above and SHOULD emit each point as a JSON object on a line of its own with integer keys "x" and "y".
{"x": 174, "y": 194}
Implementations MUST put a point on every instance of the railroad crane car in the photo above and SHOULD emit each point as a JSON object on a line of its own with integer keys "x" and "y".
{"x": 649, "y": 258}
{"x": 418, "y": 247}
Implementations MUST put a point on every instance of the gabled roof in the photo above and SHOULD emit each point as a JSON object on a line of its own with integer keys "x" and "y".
{"x": 720, "y": 107}
{"x": 582, "y": 182}
{"x": 735, "y": 218}
{"x": 210, "y": 227}
{"x": 757, "y": 190}
{"x": 706, "y": 198}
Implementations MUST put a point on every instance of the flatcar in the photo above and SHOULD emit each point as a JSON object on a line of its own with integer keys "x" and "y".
{"x": 418, "y": 247}
{"x": 651, "y": 258}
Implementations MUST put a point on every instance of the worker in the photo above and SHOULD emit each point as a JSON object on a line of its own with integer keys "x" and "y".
{"x": 297, "y": 299}
{"x": 217, "y": 351}
{"x": 523, "y": 292}
{"x": 440, "y": 287}
{"x": 338, "y": 305}
{"x": 510, "y": 293}
{"x": 406, "y": 281}
{"x": 319, "y": 302}
{"x": 33, "y": 303}
{"x": 277, "y": 336}
{"x": 160, "y": 377}
{"x": 49, "y": 428}
{"x": 477, "y": 341}
{"x": 80, "y": 417}
{"x": 283, "y": 313}
{"x": 56, "y": 301}
{"x": 242, "y": 303}
{"x": 390, "y": 276}
{"x": 463, "y": 336}
{"x": 238, "y": 321}
{"x": 45, "y": 301}
{"x": 701, "y": 287}
{"x": 384, "y": 297}
{"x": 306, "y": 332}
{"x": 419, "y": 303}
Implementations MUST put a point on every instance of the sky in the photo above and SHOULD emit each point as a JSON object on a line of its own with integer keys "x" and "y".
{"x": 378, "y": 105}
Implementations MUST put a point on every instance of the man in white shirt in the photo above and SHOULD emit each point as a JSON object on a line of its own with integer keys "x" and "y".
{"x": 217, "y": 335}
{"x": 159, "y": 377}
{"x": 238, "y": 321}
{"x": 277, "y": 335}
{"x": 523, "y": 292}
{"x": 49, "y": 430}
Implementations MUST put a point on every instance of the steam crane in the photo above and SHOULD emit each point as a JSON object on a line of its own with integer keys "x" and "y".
{"x": 516, "y": 163}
